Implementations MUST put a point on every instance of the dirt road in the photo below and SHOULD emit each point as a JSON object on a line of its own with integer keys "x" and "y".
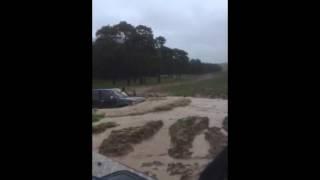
{"x": 151, "y": 156}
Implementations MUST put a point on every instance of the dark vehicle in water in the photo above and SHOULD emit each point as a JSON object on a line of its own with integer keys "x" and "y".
{"x": 109, "y": 98}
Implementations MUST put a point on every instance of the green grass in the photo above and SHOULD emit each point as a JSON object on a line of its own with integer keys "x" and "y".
{"x": 103, "y": 126}
{"x": 170, "y": 106}
{"x": 225, "y": 123}
{"x": 215, "y": 87}
{"x": 96, "y": 117}
{"x": 149, "y": 82}
{"x": 212, "y": 86}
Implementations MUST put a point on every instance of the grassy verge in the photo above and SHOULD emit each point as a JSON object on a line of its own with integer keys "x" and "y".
{"x": 121, "y": 142}
{"x": 215, "y": 87}
{"x": 182, "y": 134}
{"x": 150, "y": 81}
{"x": 170, "y": 106}
{"x": 225, "y": 123}
{"x": 217, "y": 141}
{"x": 102, "y": 127}
{"x": 96, "y": 117}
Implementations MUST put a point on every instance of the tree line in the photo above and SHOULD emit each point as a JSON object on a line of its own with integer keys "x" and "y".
{"x": 126, "y": 52}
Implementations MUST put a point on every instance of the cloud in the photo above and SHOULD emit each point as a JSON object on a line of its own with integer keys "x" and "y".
{"x": 197, "y": 26}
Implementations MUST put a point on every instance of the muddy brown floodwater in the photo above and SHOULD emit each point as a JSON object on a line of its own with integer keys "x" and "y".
{"x": 151, "y": 155}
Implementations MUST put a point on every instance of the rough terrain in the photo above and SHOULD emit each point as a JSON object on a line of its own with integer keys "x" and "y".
{"x": 151, "y": 155}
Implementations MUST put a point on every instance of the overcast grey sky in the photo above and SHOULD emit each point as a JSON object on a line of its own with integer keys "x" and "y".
{"x": 196, "y": 26}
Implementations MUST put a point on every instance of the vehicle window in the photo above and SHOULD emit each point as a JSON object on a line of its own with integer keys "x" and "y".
{"x": 106, "y": 94}
{"x": 120, "y": 94}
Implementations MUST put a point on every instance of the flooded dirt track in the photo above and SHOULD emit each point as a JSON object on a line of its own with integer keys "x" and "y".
{"x": 152, "y": 155}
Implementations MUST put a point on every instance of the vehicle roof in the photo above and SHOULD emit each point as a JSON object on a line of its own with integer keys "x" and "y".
{"x": 103, "y": 89}
{"x": 110, "y": 89}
